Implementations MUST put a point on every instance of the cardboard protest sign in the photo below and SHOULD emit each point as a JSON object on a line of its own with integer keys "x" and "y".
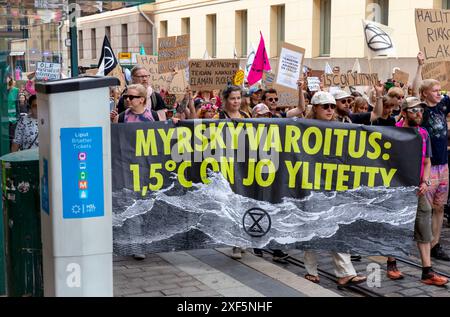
{"x": 350, "y": 79}
{"x": 290, "y": 66}
{"x": 433, "y": 31}
{"x": 400, "y": 76}
{"x": 173, "y": 53}
{"x": 211, "y": 74}
{"x": 158, "y": 81}
{"x": 439, "y": 71}
{"x": 178, "y": 84}
{"x": 48, "y": 71}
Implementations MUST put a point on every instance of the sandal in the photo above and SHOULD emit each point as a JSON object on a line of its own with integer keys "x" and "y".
{"x": 354, "y": 280}
{"x": 312, "y": 278}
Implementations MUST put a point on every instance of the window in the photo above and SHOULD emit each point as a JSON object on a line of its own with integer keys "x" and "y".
{"x": 378, "y": 11}
{"x": 211, "y": 35}
{"x": 80, "y": 44}
{"x": 163, "y": 29}
{"x": 185, "y": 26}
{"x": 108, "y": 32}
{"x": 277, "y": 29}
{"x": 124, "y": 37}
{"x": 93, "y": 44}
{"x": 445, "y": 4}
{"x": 325, "y": 27}
{"x": 241, "y": 33}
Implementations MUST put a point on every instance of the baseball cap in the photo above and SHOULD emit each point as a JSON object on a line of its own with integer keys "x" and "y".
{"x": 260, "y": 109}
{"x": 412, "y": 102}
{"x": 341, "y": 94}
{"x": 322, "y": 98}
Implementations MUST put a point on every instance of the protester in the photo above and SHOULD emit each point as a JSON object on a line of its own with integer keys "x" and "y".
{"x": 412, "y": 112}
{"x": 140, "y": 75}
{"x": 22, "y": 104}
{"x": 137, "y": 111}
{"x": 246, "y": 103}
{"x": 12, "y": 97}
{"x": 435, "y": 122}
{"x": 360, "y": 105}
{"x": 324, "y": 106}
{"x": 208, "y": 111}
{"x": 26, "y": 132}
{"x": 232, "y": 96}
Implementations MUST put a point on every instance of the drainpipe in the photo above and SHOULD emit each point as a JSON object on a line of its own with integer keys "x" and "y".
{"x": 60, "y": 25}
{"x": 153, "y": 29}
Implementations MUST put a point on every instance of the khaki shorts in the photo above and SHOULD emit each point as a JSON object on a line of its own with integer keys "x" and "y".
{"x": 422, "y": 227}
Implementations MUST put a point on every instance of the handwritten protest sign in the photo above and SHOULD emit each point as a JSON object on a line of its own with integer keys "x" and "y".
{"x": 290, "y": 66}
{"x": 211, "y": 74}
{"x": 287, "y": 98}
{"x": 433, "y": 32}
{"x": 48, "y": 71}
{"x": 439, "y": 71}
{"x": 313, "y": 83}
{"x": 350, "y": 79}
{"x": 400, "y": 76}
{"x": 158, "y": 81}
{"x": 173, "y": 53}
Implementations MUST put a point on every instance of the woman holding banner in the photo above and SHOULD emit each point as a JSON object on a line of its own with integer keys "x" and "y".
{"x": 323, "y": 108}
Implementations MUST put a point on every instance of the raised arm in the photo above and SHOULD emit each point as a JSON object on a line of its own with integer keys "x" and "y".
{"x": 378, "y": 109}
{"x": 418, "y": 78}
{"x": 300, "y": 109}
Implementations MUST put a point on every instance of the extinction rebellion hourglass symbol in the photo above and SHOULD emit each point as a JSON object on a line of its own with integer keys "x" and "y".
{"x": 256, "y": 222}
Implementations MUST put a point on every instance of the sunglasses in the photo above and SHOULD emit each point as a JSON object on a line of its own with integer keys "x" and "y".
{"x": 131, "y": 97}
{"x": 348, "y": 101}
{"x": 273, "y": 99}
{"x": 416, "y": 110}
{"x": 328, "y": 105}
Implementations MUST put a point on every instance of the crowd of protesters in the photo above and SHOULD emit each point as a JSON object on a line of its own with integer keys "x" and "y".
{"x": 421, "y": 107}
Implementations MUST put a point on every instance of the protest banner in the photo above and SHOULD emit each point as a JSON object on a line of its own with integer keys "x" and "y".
{"x": 433, "y": 32}
{"x": 290, "y": 66}
{"x": 320, "y": 184}
{"x": 439, "y": 71}
{"x": 211, "y": 74}
{"x": 173, "y": 53}
{"x": 401, "y": 76}
{"x": 350, "y": 79}
{"x": 48, "y": 71}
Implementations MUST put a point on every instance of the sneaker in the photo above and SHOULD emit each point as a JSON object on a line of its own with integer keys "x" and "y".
{"x": 438, "y": 253}
{"x": 236, "y": 253}
{"x": 393, "y": 272}
{"x": 139, "y": 257}
{"x": 434, "y": 279}
{"x": 258, "y": 252}
{"x": 280, "y": 256}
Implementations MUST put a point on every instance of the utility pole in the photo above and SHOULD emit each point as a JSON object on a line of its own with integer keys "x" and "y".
{"x": 73, "y": 8}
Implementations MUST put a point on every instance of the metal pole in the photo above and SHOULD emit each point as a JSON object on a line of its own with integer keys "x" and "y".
{"x": 73, "y": 38}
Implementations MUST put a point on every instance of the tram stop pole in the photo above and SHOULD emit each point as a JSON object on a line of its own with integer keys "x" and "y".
{"x": 75, "y": 184}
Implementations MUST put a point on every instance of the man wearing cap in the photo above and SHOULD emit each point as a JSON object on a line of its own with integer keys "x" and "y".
{"x": 343, "y": 106}
{"x": 412, "y": 112}
{"x": 255, "y": 94}
{"x": 261, "y": 111}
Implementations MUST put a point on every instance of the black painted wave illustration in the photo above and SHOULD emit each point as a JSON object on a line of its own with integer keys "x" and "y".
{"x": 366, "y": 221}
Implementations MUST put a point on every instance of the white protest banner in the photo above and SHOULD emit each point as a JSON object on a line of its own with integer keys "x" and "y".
{"x": 290, "y": 66}
{"x": 48, "y": 71}
{"x": 313, "y": 83}
{"x": 378, "y": 39}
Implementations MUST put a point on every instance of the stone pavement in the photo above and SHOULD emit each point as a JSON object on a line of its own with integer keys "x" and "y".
{"x": 212, "y": 273}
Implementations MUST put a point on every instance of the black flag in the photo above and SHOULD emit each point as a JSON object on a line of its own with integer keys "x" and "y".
{"x": 107, "y": 61}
